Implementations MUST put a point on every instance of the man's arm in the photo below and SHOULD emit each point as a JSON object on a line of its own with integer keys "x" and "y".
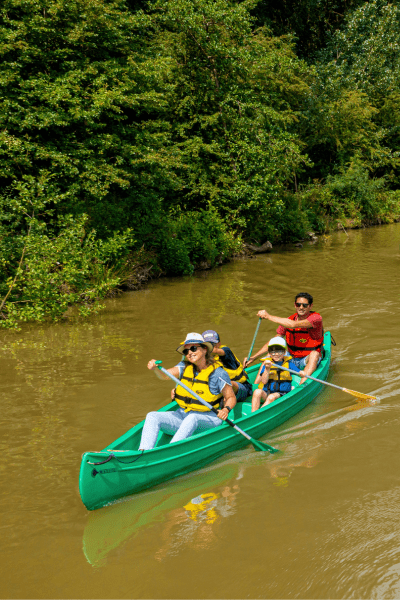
{"x": 287, "y": 323}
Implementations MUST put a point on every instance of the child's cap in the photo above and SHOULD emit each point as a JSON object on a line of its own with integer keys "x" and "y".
{"x": 277, "y": 341}
{"x": 211, "y": 336}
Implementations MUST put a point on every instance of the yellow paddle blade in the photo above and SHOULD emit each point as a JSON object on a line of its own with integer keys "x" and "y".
{"x": 360, "y": 395}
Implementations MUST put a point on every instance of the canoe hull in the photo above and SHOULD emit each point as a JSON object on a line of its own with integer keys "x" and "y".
{"x": 130, "y": 471}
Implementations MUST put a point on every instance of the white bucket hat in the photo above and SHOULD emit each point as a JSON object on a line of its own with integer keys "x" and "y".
{"x": 277, "y": 341}
{"x": 194, "y": 338}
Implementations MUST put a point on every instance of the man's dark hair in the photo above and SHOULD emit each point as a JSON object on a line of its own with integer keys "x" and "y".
{"x": 305, "y": 295}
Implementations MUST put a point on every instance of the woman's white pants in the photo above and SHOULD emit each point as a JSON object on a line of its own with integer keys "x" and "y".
{"x": 182, "y": 424}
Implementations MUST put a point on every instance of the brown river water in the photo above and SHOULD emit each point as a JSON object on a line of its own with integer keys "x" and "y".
{"x": 320, "y": 519}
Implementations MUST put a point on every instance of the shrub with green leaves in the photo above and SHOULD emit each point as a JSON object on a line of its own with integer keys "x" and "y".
{"x": 349, "y": 196}
{"x": 196, "y": 240}
{"x": 48, "y": 267}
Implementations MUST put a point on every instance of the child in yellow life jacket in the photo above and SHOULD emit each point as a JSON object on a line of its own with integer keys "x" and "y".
{"x": 276, "y": 382}
{"x": 225, "y": 358}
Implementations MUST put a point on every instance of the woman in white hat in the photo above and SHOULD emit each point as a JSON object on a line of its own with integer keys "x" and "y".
{"x": 199, "y": 372}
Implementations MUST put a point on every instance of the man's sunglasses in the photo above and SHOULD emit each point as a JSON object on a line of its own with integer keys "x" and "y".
{"x": 298, "y": 304}
{"x": 191, "y": 349}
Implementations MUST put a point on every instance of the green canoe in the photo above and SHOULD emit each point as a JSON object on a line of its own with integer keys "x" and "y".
{"x": 124, "y": 470}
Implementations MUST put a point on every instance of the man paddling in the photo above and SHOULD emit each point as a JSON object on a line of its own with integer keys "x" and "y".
{"x": 304, "y": 334}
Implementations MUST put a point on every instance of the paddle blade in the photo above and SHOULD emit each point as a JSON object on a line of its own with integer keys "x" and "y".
{"x": 260, "y": 447}
{"x": 360, "y": 395}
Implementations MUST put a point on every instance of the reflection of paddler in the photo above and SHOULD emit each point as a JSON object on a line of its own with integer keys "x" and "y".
{"x": 202, "y": 506}
{"x": 195, "y": 522}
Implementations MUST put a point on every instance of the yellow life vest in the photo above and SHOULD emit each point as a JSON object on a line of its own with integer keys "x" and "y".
{"x": 278, "y": 374}
{"x": 239, "y": 374}
{"x": 200, "y": 385}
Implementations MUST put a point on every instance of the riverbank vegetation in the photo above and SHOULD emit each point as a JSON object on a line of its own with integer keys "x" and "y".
{"x": 157, "y": 137}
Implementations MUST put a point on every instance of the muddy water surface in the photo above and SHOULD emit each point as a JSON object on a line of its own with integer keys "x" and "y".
{"x": 318, "y": 520}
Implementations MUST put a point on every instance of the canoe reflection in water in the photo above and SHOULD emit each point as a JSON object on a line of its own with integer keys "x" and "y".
{"x": 172, "y": 505}
{"x": 194, "y": 524}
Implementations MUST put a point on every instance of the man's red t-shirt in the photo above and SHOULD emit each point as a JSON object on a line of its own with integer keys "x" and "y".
{"x": 315, "y": 332}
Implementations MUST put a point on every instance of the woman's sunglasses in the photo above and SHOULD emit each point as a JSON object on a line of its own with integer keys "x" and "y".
{"x": 298, "y": 304}
{"x": 191, "y": 349}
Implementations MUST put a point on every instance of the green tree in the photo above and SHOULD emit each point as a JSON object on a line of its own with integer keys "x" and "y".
{"x": 82, "y": 96}
{"x": 234, "y": 108}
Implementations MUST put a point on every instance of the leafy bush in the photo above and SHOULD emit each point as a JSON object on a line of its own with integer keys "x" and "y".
{"x": 350, "y": 194}
{"x": 357, "y": 193}
{"x": 195, "y": 240}
{"x": 48, "y": 266}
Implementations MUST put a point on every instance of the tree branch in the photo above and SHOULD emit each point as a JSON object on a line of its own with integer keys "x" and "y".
{"x": 18, "y": 269}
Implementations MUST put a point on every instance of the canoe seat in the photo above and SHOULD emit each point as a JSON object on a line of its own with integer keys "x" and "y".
{"x": 242, "y": 409}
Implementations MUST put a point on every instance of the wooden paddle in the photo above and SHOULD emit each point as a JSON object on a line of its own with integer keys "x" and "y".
{"x": 256, "y": 444}
{"x": 358, "y": 395}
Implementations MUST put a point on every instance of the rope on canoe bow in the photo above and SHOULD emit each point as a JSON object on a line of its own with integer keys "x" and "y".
{"x": 129, "y": 462}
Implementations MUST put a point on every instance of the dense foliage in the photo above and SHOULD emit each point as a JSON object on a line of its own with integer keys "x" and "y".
{"x": 164, "y": 133}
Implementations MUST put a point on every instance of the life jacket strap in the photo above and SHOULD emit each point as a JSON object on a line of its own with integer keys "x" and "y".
{"x": 190, "y": 400}
{"x": 310, "y": 348}
{"x": 194, "y": 379}
{"x": 243, "y": 373}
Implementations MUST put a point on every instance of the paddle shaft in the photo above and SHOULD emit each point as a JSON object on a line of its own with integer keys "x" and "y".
{"x": 254, "y": 338}
{"x": 310, "y": 377}
{"x": 192, "y": 393}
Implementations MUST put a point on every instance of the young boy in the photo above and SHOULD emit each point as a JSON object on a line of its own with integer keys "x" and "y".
{"x": 276, "y": 382}
{"x": 225, "y": 358}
